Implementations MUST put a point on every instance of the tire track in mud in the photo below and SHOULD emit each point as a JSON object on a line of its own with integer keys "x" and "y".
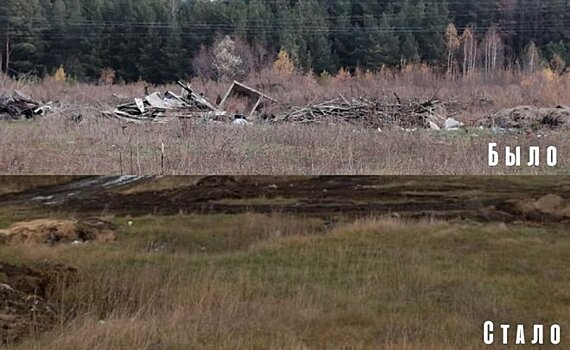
{"x": 416, "y": 197}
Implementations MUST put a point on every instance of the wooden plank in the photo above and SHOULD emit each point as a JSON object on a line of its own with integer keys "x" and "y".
{"x": 255, "y": 106}
{"x": 195, "y": 97}
{"x": 247, "y": 89}
{"x": 140, "y": 104}
{"x": 228, "y": 93}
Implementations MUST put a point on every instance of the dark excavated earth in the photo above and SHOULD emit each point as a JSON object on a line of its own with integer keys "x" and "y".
{"x": 506, "y": 199}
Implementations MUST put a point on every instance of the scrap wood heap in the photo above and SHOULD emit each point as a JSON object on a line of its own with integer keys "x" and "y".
{"x": 162, "y": 108}
{"x": 369, "y": 112}
{"x": 18, "y": 105}
{"x": 373, "y": 112}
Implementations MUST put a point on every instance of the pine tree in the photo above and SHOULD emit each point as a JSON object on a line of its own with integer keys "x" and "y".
{"x": 64, "y": 39}
{"x": 259, "y": 19}
{"x": 431, "y": 39}
{"x": 340, "y": 34}
{"x": 90, "y": 40}
{"x": 24, "y": 18}
{"x": 318, "y": 47}
{"x": 409, "y": 49}
{"x": 175, "y": 55}
{"x": 288, "y": 36}
{"x": 405, "y": 22}
{"x": 4, "y": 38}
{"x": 382, "y": 46}
{"x": 155, "y": 39}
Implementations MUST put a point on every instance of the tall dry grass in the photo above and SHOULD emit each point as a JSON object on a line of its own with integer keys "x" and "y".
{"x": 56, "y": 145}
{"x": 504, "y": 89}
{"x": 374, "y": 284}
{"x": 101, "y": 146}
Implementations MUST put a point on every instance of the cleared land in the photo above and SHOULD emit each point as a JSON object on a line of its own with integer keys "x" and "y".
{"x": 57, "y": 144}
{"x": 383, "y": 268}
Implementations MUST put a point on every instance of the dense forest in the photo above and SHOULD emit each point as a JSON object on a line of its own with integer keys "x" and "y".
{"x": 161, "y": 40}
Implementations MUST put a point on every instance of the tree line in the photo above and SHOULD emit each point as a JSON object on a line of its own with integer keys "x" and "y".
{"x": 162, "y": 40}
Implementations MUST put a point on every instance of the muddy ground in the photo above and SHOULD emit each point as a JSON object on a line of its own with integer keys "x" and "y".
{"x": 506, "y": 199}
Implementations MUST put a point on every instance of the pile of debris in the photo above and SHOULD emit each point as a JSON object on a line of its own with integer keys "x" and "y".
{"x": 529, "y": 118}
{"x": 375, "y": 112}
{"x": 163, "y": 108}
{"x": 381, "y": 113}
{"x": 17, "y": 105}
{"x": 52, "y": 232}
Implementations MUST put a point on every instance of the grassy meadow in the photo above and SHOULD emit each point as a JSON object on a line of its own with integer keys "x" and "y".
{"x": 253, "y": 281}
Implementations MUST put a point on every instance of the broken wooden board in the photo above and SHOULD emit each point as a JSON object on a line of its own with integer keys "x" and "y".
{"x": 254, "y": 95}
{"x": 156, "y": 101}
{"x": 196, "y": 97}
{"x": 140, "y": 104}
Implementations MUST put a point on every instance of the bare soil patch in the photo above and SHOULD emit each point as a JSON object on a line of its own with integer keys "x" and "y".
{"x": 476, "y": 198}
{"x": 51, "y": 232}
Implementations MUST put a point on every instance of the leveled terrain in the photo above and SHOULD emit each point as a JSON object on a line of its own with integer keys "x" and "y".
{"x": 366, "y": 263}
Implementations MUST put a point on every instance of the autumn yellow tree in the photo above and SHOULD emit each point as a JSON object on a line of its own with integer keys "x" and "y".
{"x": 343, "y": 74}
{"x": 452, "y": 43}
{"x": 60, "y": 76}
{"x": 284, "y": 64}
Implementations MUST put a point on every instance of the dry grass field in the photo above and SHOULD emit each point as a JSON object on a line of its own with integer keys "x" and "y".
{"x": 100, "y": 145}
{"x": 295, "y": 281}
{"x": 277, "y": 282}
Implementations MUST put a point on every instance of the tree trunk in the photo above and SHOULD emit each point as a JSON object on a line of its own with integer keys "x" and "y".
{"x": 5, "y": 65}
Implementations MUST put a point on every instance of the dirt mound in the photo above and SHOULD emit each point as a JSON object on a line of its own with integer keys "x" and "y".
{"x": 530, "y": 118}
{"x": 24, "y": 306}
{"x": 47, "y": 231}
{"x": 550, "y": 206}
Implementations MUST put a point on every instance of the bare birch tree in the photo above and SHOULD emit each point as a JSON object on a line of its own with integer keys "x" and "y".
{"x": 469, "y": 51}
{"x": 493, "y": 44}
{"x": 532, "y": 59}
